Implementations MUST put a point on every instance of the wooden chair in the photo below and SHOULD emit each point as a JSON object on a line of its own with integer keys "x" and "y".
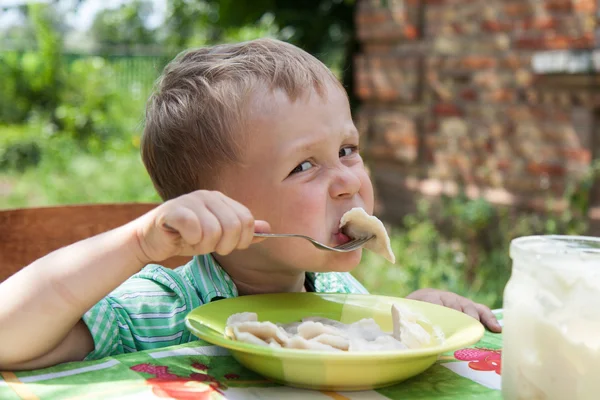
{"x": 29, "y": 233}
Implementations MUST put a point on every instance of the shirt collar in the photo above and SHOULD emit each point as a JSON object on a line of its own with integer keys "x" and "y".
{"x": 213, "y": 283}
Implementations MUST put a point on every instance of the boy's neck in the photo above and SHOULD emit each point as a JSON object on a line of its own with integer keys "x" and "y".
{"x": 258, "y": 279}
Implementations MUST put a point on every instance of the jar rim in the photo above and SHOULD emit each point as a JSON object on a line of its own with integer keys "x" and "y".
{"x": 564, "y": 245}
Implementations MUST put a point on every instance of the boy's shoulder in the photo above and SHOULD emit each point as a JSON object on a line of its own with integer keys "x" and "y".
{"x": 151, "y": 280}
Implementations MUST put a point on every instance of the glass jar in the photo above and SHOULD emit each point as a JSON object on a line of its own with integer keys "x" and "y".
{"x": 551, "y": 334}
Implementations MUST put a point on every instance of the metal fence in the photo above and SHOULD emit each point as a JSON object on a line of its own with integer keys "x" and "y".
{"x": 134, "y": 72}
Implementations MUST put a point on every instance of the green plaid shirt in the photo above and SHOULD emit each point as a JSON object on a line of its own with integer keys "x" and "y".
{"x": 148, "y": 310}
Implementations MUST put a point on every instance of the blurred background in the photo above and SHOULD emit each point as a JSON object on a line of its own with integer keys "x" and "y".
{"x": 478, "y": 118}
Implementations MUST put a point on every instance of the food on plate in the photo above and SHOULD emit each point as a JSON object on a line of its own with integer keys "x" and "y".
{"x": 323, "y": 334}
{"x": 357, "y": 224}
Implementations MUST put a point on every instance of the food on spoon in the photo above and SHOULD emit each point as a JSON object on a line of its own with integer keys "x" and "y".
{"x": 322, "y": 334}
{"x": 357, "y": 224}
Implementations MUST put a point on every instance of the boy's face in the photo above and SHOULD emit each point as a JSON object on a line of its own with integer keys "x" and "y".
{"x": 301, "y": 172}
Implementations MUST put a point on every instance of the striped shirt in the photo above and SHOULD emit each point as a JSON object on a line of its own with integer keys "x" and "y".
{"x": 148, "y": 310}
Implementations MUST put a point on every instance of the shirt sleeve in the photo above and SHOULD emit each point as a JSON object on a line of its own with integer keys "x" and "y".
{"x": 147, "y": 311}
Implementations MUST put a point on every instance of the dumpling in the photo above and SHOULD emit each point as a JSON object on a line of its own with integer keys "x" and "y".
{"x": 291, "y": 328}
{"x": 262, "y": 333}
{"x": 247, "y": 337}
{"x": 310, "y": 329}
{"x": 357, "y": 224}
{"x": 366, "y": 328}
{"x": 298, "y": 342}
{"x": 322, "y": 334}
{"x": 339, "y": 342}
{"x": 241, "y": 317}
{"x": 327, "y": 321}
{"x": 408, "y": 330}
{"x": 381, "y": 343}
{"x": 236, "y": 319}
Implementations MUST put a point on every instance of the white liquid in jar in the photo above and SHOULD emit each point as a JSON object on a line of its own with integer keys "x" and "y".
{"x": 551, "y": 333}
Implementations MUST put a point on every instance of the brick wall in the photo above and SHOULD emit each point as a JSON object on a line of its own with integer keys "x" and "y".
{"x": 448, "y": 95}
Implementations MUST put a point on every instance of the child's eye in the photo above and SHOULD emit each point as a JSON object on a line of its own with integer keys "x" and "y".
{"x": 346, "y": 151}
{"x": 306, "y": 165}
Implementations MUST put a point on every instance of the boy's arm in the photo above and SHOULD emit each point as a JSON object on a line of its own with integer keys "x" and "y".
{"x": 42, "y": 305}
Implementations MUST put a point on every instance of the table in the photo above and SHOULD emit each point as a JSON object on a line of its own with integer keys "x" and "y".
{"x": 199, "y": 370}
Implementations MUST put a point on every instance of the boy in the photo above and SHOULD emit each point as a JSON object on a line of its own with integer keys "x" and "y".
{"x": 265, "y": 131}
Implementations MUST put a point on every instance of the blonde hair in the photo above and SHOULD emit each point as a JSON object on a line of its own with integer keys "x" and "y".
{"x": 195, "y": 117}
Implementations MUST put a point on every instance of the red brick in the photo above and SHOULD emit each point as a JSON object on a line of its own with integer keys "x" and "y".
{"x": 517, "y": 140}
{"x": 469, "y": 94}
{"x": 503, "y": 95}
{"x": 386, "y": 93}
{"x": 496, "y": 26}
{"x": 530, "y": 43}
{"x": 396, "y": 138}
{"x": 387, "y": 31}
{"x": 581, "y": 155}
{"x": 478, "y": 62}
{"x": 410, "y": 31}
{"x": 555, "y": 42}
{"x": 377, "y": 48}
{"x": 447, "y": 110}
{"x": 372, "y": 17}
{"x": 503, "y": 165}
{"x": 432, "y": 126}
{"x": 514, "y": 62}
{"x": 540, "y": 23}
{"x": 571, "y": 5}
{"x": 518, "y": 9}
{"x": 546, "y": 169}
{"x": 458, "y": 27}
{"x": 586, "y": 6}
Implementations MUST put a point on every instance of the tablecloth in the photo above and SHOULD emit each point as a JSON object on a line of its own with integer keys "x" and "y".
{"x": 200, "y": 370}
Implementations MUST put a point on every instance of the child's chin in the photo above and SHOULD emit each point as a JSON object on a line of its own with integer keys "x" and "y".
{"x": 342, "y": 262}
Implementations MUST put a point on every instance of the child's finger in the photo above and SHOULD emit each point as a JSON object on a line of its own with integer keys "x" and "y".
{"x": 209, "y": 230}
{"x": 247, "y": 222}
{"x": 231, "y": 226}
{"x": 469, "y": 309}
{"x": 427, "y": 295}
{"x": 183, "y": 221}
{"x": 260, "y": 226}
{"x": 451, "y": 300}
{"x": 487, "y": 317}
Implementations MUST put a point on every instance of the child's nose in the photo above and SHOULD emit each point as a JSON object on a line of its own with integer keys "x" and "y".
{"x": 345, "y": 183}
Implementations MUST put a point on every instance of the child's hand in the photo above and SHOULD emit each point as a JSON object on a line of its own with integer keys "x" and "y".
{"x": 201, "y": 222}
{"x": 478, "y": 311}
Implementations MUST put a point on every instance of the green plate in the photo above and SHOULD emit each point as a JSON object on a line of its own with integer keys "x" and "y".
{"x": 324, "y": 370}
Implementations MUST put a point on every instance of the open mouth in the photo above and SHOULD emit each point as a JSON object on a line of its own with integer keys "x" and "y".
{"x": 340, "y": 238}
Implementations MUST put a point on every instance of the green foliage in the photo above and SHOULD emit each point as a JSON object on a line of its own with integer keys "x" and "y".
{"x": 324, "y": 28}
{"x": 79, "y": 99}
{"x": 32, "y": 79}
{"x": 15, "y": 91}
{"x": 124, "y": 25}
{"x": 67, "y": 174}
{"x": 92, "y": 109}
